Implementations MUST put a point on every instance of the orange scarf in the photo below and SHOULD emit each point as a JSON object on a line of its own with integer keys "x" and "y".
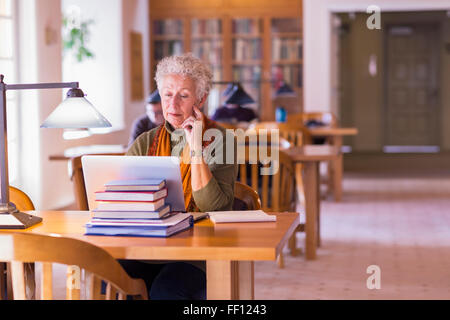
{"x": 161, "y": 147}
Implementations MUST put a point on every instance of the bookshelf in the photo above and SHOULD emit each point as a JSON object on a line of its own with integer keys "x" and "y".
{"x": 247, "y": 56}
{"x": 168, "y": 38}
{"x": 256, "y": 43}
{"x": 287, "y": 51}
{"x": 207, "y": 43}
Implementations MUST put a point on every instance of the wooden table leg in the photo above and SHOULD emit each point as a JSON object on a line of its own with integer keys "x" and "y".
{"x": 311, "y": 199}
{"x": 318, "y": 207}
{"x": 338, "y": 168}
{"x": 230, "y": 280}
{"x": 3, "y": 293}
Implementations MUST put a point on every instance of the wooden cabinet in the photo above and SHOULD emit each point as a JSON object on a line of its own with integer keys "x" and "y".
{"x": 257, "y": 43}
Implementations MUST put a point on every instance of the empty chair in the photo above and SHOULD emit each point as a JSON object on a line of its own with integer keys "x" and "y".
{"x": 313, "y": 118}
{"x": 246, "y": 196}
{"x": 22, "y": 248}
{"x": 79, "y": 188}
{"x": 316, "y": 120}
{"x": 77, "y": 177}
{"x": 272, "y": 177}
{"x": 20, "y": 199}
{"x": 23, "y": 203}
{"x": 227, "y": 125}
{"x": 296, "y": 135}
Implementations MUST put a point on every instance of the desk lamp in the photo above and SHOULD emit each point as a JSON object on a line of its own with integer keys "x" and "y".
{"x": 285, "y": 91}
{"x": 75, "y": 113}
{"x": 238, "y": 96}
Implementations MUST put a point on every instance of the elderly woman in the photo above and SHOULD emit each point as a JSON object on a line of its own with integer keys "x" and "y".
{"x": 184, "y": 83}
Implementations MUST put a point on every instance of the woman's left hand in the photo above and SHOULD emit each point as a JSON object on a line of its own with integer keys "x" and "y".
{"x": 193, "y": 129}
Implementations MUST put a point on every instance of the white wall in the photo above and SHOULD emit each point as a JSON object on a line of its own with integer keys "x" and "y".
{"x": 47, "y": 182}
{"x": 100, "y": 78}
{"x": 318, "y": 91}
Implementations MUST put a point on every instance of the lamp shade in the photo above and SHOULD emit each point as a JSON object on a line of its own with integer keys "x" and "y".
{"x": 75, "y": 112}
{"x": 239, "y": 96}
{"x": 285, "y": 91}
{"x": 228, "y": 89}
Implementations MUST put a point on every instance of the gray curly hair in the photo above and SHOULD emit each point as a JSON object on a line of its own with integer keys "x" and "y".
{"x": 186, "y": 65}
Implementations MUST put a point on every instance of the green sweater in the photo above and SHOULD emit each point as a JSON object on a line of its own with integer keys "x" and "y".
{"x": 218, "y": 194}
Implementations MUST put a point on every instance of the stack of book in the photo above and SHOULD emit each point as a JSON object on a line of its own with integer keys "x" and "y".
{"x": 136, "y": 208}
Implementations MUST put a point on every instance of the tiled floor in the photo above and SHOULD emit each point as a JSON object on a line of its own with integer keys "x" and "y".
{"x": 399, "y": 223}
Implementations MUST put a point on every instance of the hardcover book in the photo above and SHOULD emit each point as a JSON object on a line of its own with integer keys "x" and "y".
{"x": 130, "y": 195}
{"x": 130, "y": 205}
{"x": 160, "y": 213}
{"x": 177, "y": 223}
{"x": 135, "y": 185}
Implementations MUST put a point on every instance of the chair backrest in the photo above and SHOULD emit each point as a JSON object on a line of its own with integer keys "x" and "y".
{"x": 20, "y": 199}
{"x": 227, "y": 125}
{"x": 247, "y": 195}
{"x": 19, "y": 249}
{"x": 328, "y": 118}
{"x": 77, "y": 178}
{"x": 295, "y": 134}
{"x": 79, "y": 187}
{"x": 276, "y": 189}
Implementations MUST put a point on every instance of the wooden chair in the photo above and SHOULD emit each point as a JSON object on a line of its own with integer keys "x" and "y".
{"x": 79, "y": 188}
{"x": 327, "y": 118}
{"x": 297, "y": 135}
{"x": 20, "y": 248}
{"x": 247, "y": 195}
{"x": 276, "y": 191}
{"x": 227, "y": 125}
{"x": 23, "y": 203}
{"x": 77, "y": 178}
{"x": 20, "y": 199}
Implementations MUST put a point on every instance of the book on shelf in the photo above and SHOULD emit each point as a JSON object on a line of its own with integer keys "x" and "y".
{"x": 247, "y": 49}
{"x": 203, "y": 27}
{"x": 157, "y": 214}
{"x": 168, "y": 26}
{"x": 240, "y": 216}
{"x": 135, "y": 185}
{"x": 130, "y": 195}
{"x": 287, "y": 49}
{"x": 246, "y": 26}
{"x": 177, "y": 223}
{"x": 130, "y": 205}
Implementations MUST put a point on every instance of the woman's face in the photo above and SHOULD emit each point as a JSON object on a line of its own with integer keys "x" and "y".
{"x": 178, "y": 99}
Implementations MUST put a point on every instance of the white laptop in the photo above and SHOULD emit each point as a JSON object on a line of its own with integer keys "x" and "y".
{"x": 98, "y": 170}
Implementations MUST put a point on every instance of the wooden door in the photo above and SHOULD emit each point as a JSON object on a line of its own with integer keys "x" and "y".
{"x": 412, "y": 97}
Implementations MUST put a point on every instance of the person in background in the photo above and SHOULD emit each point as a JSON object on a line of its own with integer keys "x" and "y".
{"x": 152, "y": 118}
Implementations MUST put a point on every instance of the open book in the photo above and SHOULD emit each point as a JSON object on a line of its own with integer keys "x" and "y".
{"x": 240, "y": 216}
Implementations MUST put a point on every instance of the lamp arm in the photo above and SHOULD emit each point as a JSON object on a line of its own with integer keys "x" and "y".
{"x": 4, "y": 192}
{"x": 56, "y": 85}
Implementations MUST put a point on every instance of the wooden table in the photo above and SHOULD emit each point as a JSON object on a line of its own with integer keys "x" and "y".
{"x": 229, "y": 249}
{"x": 310, "y": 156}
{"x": 336, "y": 135}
